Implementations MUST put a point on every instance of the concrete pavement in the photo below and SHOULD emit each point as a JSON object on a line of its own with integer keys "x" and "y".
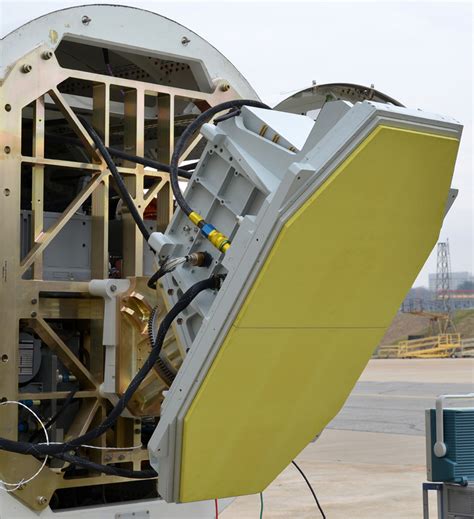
{"x": 370, "y": 462}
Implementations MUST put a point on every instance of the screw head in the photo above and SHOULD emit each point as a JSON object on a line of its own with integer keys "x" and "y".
{"x": 6, "y": 192}
{"x": 34, "y": 301}
{"x": 185, "y": 40}
{"x": 225, "y": 86}
{"x": 107, "y": 458}
{"x": 113, "y": 288}
{"x": 7, "y": 149}
{"x": 170, "y": 291}
{"x": 47, "y": 54}
{"x": 8, "y": 107}
{"x": 41, "y": 500}
{"x": 26, "y": 68}
{"x": 121, "y": 457}
{"x": 179, "y": 320}
{"x": 86, "y": 20}
{"x": 33, "y": 314}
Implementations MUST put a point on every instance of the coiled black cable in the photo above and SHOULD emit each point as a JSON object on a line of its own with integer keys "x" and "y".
{"x": 189, "y": 132}
{"x": 53, "y": 449}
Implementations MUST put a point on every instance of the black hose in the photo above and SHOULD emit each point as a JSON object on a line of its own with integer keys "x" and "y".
{"x": 122, "y": 188}
{"x": 106, "y": 469}
{"x": 151, "y": 283}
{"x": 42, "y": 449}
{"x": 185, "y": 171}
{"x": 182, "y": 172}
{"x": 189, "y": 132}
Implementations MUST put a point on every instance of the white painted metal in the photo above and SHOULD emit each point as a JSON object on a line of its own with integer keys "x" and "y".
{"x": 124, "y": 29}
{"x": 109, "y": 289}
{"x": 10, "y": 508}
{"x": 242, "y": 162}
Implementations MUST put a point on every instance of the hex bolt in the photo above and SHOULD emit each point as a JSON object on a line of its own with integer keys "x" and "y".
{"x": 33, "y": 314}
{"x": 225, "y": 87}
{"x": 26, "y": 68}
{"x": 86, "y": 20}
{"x": 41, "y": 500}
{"x": 47, "y": 54}
{"x": 185, "y": 40}
{"x": 34, "y": 301}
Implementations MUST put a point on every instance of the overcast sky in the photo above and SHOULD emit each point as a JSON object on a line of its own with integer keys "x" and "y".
{"x": 418, "y": 53}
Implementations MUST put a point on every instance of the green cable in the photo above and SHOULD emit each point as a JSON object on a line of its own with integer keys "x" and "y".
{"x": 261, "y": 505}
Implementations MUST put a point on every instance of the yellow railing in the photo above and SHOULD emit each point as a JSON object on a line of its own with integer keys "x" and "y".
{"x": 438, "y": 346}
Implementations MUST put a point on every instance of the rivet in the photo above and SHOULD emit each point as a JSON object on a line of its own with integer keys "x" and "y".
{"x": 8, "y": 107}
{"x": 107, "y": 458}
{"x": 26, "y": 68}
{"x": 170, "y": 291}
{"x": 121, "y": 457}
{"x": 7, "y": 149}
{"x": 137, "y": 431}
{"x": 6, "y": 191}
{"x": 33, "y": 314}
{"x": 34, "y": 301}
{"x": 179, "y": 320}
{"x": 5, "y": 358}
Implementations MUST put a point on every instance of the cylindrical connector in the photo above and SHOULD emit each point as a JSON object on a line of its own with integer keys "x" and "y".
{"x": 199, "y": 259}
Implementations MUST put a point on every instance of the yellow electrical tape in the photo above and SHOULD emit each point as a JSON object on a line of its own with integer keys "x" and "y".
{"x": 195, "y": 218}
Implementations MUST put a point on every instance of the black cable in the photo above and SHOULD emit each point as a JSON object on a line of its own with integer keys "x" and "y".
{"x": 106, "y": 469}
{"x": 182, "y": 172}
{"x": 151, "y": 283}
{"x": 53, "y": 449}
{"x": 189, "y": 132}
{"x": 310, "y": 488}
{"x": 55, "y": 417}
{"x": 185, "y": 171}
{"x": 122, "y": 188}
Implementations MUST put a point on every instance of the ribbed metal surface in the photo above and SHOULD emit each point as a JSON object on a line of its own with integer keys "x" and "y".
{"x": 459, "y": 437}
